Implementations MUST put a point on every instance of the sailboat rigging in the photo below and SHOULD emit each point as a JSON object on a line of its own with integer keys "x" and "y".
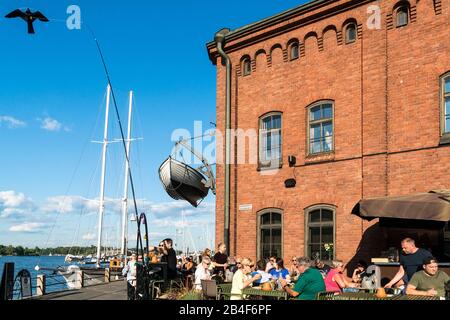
{"x": 70, "y": 273}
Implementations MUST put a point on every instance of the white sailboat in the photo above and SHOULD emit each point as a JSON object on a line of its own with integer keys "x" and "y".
{"x": 91, "y": 275}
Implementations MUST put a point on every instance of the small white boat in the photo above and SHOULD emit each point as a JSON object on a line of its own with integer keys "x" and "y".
{"x": 73, "y": 258}
{"x": 183, "y": 182}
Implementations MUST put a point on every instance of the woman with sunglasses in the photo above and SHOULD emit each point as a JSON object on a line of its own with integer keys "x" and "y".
{"x": 293, "y": 272}
{"x": 242, "y": 279}
{"x": 272, "y": 263}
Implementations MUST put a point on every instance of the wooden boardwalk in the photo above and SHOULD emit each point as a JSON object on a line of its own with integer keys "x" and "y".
{"x": 116, "y": 290}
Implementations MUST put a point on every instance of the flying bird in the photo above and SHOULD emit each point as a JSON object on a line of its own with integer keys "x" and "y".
{"x": 28, "y": 16}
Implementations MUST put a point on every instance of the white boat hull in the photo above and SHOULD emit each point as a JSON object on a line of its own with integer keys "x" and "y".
{"x": 182, "y": 181}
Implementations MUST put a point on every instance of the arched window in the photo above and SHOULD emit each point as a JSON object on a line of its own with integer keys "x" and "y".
{"x": 270, "y": 233}
{"x": 293, "y": 51}
{"x": 246, "y": 67}
{"x": 270, "y": 140}
{"x": 350, "y": 33}
{"x": 320, "y": 127}
{"x": 402, "y": 16}
{"x": 445, "y": 105}
{"x": 320, "y": 239}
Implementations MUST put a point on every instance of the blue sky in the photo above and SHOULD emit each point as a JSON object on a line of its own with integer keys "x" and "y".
{"x": 52, "y": 88}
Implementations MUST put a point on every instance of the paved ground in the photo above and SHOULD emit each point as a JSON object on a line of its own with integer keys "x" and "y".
{"x": 116, "y": 290}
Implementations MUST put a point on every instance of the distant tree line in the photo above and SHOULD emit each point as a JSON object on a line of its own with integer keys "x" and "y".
{"x": 36, "y": 251}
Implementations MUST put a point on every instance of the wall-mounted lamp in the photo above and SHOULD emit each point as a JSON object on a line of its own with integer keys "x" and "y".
{"x": 290, "y": 183}
{"x": 292, "y": 160}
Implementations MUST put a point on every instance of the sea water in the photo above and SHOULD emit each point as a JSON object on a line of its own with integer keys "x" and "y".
{"x": 54, "y": 282}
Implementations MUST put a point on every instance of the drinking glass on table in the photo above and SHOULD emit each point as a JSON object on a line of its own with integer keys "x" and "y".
{"x": 288, "y": 279}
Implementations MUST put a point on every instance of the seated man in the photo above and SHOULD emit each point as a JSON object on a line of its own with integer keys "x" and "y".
{"x": 202, "y": 272}
{"x": 428, "y": 282}
{"x": 309, "y": 283}
{"x": 322, "y": 267}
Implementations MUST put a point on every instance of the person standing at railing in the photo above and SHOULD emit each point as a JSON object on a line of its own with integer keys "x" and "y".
{"x": 428, "y": 282}
{"x": 169, "y": 256}
{"x": 130, "y": 271}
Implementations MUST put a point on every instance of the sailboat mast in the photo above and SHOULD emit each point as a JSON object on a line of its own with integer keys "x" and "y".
{"x": 125, "y": 191}
{"x": 101, "y": 208}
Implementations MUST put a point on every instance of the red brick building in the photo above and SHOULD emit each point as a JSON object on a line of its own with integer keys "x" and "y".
{"x": 363, "y": 108}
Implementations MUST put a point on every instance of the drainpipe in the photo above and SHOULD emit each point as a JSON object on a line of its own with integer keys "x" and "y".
{"x": 219, "y": 38}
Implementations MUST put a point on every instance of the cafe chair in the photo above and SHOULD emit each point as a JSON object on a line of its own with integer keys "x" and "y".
{"x": 376, "y": 271}
{"x": 325, "y": 295}
{"x": 209, "y": 289}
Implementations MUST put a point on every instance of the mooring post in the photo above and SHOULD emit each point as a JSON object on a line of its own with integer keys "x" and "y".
{"x": 80, "y": 279}
{"x": 40, "y": 286}
{"x": 107, "y": 275}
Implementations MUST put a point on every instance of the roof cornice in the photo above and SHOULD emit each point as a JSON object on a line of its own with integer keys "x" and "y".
{"x": 292, "y": 14}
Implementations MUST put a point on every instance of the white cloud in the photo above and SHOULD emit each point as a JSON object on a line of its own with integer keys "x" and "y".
{"x": 12, "y": 122}
{"x": 14, "y": 203}
{"x": 89, "y": 236}
{"x": 179, "y": 223}
{"x": 50, "y": 124}
{"x": 27, "y": 227}
{"x": 69, "y": 204}
{"x": 174, "y": 208}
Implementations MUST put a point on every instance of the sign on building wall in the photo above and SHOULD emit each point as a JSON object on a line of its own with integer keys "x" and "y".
{"x": 245, "y": 207}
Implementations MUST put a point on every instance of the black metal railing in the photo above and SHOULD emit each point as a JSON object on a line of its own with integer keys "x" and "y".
{"x": 58, "y": 283}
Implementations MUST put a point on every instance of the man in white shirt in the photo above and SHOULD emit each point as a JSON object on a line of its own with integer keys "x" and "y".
{"x": 130, "y": 271}
{"x": 202, "y": 273}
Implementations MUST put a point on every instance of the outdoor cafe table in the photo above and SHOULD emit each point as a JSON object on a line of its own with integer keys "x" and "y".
{"x": 257, "y": 292}
{"x": 372, "y": 296}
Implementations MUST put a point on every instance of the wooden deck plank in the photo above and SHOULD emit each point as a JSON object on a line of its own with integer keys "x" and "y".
{"x": 116, "y": 290}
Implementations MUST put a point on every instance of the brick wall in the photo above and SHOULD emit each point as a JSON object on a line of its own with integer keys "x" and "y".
{"x": 385, "y": 87}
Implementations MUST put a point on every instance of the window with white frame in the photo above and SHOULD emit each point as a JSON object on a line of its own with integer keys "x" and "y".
{"x": 270, "y": 140}
{"x": 402, "y": 15}
{"x": 445, "y": 103}
{"x": 350, "y": 33}
{"x": 294, "y": 52}
{"x": 320, "y": 127}
{"x": 246, "y": 66}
